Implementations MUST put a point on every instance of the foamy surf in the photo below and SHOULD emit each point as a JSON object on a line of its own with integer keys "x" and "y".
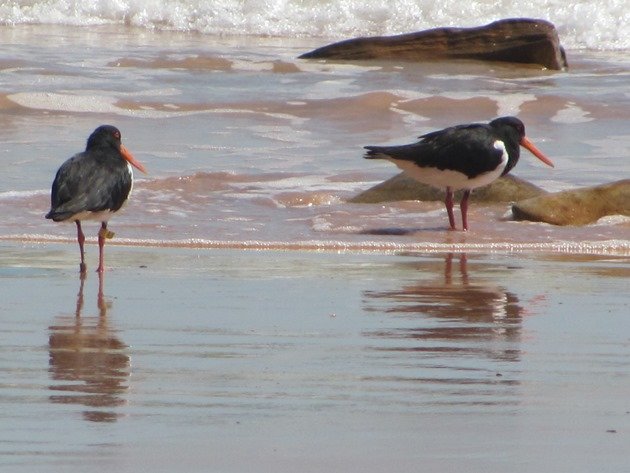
{"x": 87, "y": 102}
{"x": 609, "y": 247}
{"x": 581, "y": 23}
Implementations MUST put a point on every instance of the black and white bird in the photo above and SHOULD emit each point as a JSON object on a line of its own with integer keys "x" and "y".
{"x": 93, "y": 185}
{"x": 461, "y": 157}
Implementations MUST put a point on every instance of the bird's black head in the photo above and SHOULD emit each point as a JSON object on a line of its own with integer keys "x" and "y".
{"x": 104, "y": 135}
{"x": 509, "y": 125}
{"x": 512, "y": 132}
{"x": 104, "y": 139}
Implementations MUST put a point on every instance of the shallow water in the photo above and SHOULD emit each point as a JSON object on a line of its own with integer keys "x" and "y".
{"x": 244, "y": 142}
{"x": 238, "y": 360}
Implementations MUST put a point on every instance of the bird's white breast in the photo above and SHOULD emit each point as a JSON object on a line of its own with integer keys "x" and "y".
{"x": 130, "y": 170}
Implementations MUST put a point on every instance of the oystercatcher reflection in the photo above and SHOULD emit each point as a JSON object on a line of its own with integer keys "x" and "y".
{"x": 461, "y": 157}
{"x": 93, "y": 185}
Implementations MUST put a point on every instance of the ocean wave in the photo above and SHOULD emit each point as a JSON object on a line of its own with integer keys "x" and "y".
{"x": 90, "y": 102}
{"x": 582, "y": 24}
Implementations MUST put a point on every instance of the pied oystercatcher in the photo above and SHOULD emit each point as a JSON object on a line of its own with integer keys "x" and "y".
{"x": 461, "y": 157}
{"x": 93, "y": 185}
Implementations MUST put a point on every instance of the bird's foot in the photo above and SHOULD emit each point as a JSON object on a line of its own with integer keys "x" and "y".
{"x": 82, "y": 268}
{"x": 106, "y": 234}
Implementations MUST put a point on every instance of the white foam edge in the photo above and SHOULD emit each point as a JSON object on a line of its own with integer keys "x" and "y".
{"x": 616, "y": 247}
{"x": 105, "y": 104}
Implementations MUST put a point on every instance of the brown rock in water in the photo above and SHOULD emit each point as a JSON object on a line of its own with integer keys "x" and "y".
{"x": 576, "y": 206}
{"x": 402, "y": 187}
{"x": 517, "y": 40}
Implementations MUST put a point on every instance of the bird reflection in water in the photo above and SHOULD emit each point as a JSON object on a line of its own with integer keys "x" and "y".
{"x": 88, "y": 361}
{"x": 457, "y": 315}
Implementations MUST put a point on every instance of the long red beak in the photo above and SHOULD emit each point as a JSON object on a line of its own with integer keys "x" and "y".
{"x": 525, "y": 143}
{"x": 131, "y": 160}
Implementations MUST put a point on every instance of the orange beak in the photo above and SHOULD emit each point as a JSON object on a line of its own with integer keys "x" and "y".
{"x": 131, "y": 160}
{"x": 525, "y": 143}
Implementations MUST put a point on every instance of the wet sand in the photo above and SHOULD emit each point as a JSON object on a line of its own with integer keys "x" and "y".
{"x": 231, "y": 360}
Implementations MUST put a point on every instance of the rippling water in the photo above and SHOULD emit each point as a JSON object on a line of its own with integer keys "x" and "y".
{"x": 246, "y": 143}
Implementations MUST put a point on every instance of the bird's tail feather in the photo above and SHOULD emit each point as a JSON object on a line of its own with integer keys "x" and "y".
{"x": 57, "y": 216}
{"x": 375, "y": 152}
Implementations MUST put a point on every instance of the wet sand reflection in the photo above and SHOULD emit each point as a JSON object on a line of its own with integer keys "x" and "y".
{"x": 88, "y": 361}
{"x": 451, "y": 332}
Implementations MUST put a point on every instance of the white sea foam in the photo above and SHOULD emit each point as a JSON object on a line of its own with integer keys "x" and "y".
{"x": 604, "y": 24}
{"x": 571, "y": 114}
{"x": 65, "y": 102}
{"x": 82, "y": 102}
{"x": 608, "y": 247}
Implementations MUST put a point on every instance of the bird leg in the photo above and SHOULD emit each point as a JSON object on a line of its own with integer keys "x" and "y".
{"x": 81, "y": 240}
{"x": 103, "y": 234}
{"x": 463, "y": 206}
{"x": 449, "y": 207}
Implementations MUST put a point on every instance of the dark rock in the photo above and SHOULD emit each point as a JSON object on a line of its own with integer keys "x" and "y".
{"x": 516, "y": 40}
{"x": 402, "y": 187}
{"x": 576, "y": 206}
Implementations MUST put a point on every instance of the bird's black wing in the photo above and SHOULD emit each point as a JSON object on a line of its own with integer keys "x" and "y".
{"x": 81, "y": 186}
{"x": 466, "y": 148}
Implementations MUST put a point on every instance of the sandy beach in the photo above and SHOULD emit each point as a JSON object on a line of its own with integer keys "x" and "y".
{"x": 233, "y": 361}
{"x": 253, "y": 319}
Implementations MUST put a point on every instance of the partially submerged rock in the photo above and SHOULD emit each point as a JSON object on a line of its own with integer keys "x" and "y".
{"x": 516, "y": 40}
{"x": 402, "y": 187}
{"x": 576, "y": 206}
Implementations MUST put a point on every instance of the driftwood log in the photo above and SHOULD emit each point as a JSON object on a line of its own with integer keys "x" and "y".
{"x": 515, "y": 40}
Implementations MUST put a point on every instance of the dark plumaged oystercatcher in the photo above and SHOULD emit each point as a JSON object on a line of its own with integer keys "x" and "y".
{"x": 93, "y": 185}
{"x": 461, "y": 157}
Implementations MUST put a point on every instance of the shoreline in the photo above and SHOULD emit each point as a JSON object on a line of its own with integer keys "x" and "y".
{"x": 609, "y": 247}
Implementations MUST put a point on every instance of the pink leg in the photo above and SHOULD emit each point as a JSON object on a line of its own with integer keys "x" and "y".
{"x": 463, "y": 206}
{"x": 102, "y": 234}
{"x": 449, "y": 207}
{"x": 81, "y": 240}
